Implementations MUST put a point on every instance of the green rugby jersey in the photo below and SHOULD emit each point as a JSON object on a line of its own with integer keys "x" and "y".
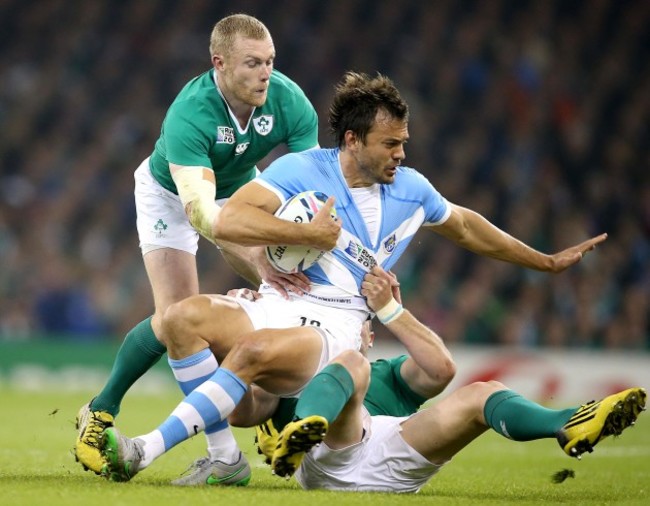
{"x": 199, "y": 130}
{"x": 388, "y": 394}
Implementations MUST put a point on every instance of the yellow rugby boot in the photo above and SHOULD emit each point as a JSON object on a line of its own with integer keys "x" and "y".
{"x": 91, "y": 425}
{"x": 296, "y": 439}
{"x": 266, "y": 439}
{"x": 595, "y": 421}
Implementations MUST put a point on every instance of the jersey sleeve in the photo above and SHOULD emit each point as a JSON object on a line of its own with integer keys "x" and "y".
{"x": 388, "y": 393}
{"x": 436, "y": 207}
{"x": 287, "y": 176}
{"x": 186, "y": 135}
{"x": 304, "y": 131}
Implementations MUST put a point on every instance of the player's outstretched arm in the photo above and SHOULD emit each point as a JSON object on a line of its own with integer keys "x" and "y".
{"x": 470, "y": 230}
{"x": 430, "y": 366}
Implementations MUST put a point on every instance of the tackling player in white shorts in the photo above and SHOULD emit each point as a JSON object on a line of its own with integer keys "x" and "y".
{"x": 389, "y": 452}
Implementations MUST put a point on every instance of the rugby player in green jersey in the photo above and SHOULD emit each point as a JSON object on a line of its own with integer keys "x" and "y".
{"x": 219, "y": 126}
{"x": 368, "y": 417}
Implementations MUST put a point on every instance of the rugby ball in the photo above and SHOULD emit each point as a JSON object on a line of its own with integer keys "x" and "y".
{"x": 300, "y": 208}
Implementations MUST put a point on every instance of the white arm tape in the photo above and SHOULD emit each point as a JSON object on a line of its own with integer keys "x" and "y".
{"x": 198, "y": 197}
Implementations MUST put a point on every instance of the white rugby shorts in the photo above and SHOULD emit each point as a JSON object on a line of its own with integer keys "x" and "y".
{"x": 340, "y": 329}
{"x": 161, "y": 219}
{"x": 381, "y": 462}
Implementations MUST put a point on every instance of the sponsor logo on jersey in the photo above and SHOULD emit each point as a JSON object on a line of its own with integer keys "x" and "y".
{"x": 225, "y": 135}
{"x": 241, "y": 148}
{"x": 390, "y": 243}
{"x": 264, "y": 124}
{"x": 361, "y": 255}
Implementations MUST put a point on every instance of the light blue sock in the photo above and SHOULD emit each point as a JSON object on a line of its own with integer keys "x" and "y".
{"x": 190, "y": 372}
{"x": 211, "y": 402}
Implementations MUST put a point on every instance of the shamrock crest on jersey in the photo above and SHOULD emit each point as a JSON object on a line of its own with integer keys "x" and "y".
{"x": 263, "y": 124}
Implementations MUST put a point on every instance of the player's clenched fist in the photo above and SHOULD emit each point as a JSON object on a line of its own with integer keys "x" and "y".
{"x": 327, "y": 225}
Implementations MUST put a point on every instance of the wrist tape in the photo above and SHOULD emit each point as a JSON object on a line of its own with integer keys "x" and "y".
{"x": 390, "y": 312}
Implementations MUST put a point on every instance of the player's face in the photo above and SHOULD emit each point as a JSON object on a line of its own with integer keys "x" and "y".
{"x": 383, "y": 150}
{"x": 245, "y": 72}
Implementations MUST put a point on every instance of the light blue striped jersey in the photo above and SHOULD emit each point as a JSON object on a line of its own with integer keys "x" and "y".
{"x": 406, "y": 204}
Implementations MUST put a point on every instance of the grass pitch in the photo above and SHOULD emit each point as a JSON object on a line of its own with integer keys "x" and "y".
{"x": 37, "y": 467}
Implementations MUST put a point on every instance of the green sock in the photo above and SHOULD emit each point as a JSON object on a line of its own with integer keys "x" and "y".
{"x": 326, "y": 394}
{"x": 138, "y": 353}
{"x": 519, "y": 419}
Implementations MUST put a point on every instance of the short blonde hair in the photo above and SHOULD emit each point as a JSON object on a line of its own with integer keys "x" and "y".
{"x": 226, "y": 30}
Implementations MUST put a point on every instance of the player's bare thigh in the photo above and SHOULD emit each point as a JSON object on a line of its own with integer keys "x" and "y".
{"x": 173, "y": 277}
{"x": 443, "y": 429}
{"x": 215, "y": 320}
{"x": 281, "y": 361}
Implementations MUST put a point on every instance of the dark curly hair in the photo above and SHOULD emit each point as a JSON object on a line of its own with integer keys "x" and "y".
{"x": 356, "y": 102}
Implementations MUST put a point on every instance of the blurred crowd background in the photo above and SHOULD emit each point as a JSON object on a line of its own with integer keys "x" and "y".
{"x": 533, "y": 113}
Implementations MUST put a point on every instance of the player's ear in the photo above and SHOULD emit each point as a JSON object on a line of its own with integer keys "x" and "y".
{"x": 351, "y": 140}
{"x": 218, "y": 61}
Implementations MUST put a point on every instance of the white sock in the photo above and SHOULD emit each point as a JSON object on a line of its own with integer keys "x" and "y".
{"x": 153, "y": 446}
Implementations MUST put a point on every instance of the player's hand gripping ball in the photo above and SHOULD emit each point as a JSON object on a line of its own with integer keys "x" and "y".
{"x": 300, "y": 208}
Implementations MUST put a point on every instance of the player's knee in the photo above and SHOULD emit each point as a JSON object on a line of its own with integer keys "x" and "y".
{"x": 480, "y": 391}
{"x": 494, "y": 386}
{"x": 350, "y": 359}
{"x": 362, "y": 377}
{"x": 179, "y": 319}
{"x": 358, "y": 367}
